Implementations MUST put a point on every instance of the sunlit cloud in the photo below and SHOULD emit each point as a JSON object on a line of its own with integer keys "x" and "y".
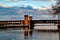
{"x": 43, "y": 8}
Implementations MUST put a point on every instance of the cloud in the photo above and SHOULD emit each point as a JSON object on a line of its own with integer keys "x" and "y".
{"x": 4, "y": 5}
{"x": 11, "y": 17}
{"x": 20, "y": 11}
{"x": 8, "y": 14}
{"x": 43, "y": 8}
{"x": 1, "y": 4}
{"x": 12, "y": 0}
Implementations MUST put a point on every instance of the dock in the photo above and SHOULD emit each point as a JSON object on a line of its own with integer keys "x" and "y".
{"x": 29, "y": 23}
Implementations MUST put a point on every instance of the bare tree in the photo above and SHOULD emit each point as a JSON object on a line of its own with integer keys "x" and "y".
{"x": 56, "y": 9}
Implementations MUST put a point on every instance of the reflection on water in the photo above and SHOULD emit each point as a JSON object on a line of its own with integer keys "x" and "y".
{"x": 28, "y": 35}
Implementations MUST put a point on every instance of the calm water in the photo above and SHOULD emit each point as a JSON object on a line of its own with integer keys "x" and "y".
{"x": 30, "y": 35}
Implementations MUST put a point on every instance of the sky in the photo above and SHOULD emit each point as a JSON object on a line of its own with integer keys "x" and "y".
{"x": 34, "y": 4}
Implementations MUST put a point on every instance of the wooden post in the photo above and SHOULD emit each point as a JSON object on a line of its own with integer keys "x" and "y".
{"x": 26, "y": 32}
{"x": 58, "y": 24}
{"x": 30, "y": 19}
{"x": 26, "y": 21}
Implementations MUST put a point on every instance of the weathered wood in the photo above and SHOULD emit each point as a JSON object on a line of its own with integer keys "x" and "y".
{"x": 58, "y": 24}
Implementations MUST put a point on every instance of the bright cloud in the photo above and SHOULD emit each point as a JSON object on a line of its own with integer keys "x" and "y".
{"x": 43, "y": 8}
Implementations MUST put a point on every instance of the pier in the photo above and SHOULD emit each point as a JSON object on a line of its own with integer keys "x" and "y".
{"x": 28, "y": 23}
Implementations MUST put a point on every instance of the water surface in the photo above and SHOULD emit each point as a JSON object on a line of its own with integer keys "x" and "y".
{"x": 30, "y": 35}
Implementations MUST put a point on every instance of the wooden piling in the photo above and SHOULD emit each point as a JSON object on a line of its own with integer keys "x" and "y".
{"x": 59, "y": 25}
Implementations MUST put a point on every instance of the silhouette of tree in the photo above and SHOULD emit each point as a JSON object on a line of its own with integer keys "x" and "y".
{"x": 56, "y": 9}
